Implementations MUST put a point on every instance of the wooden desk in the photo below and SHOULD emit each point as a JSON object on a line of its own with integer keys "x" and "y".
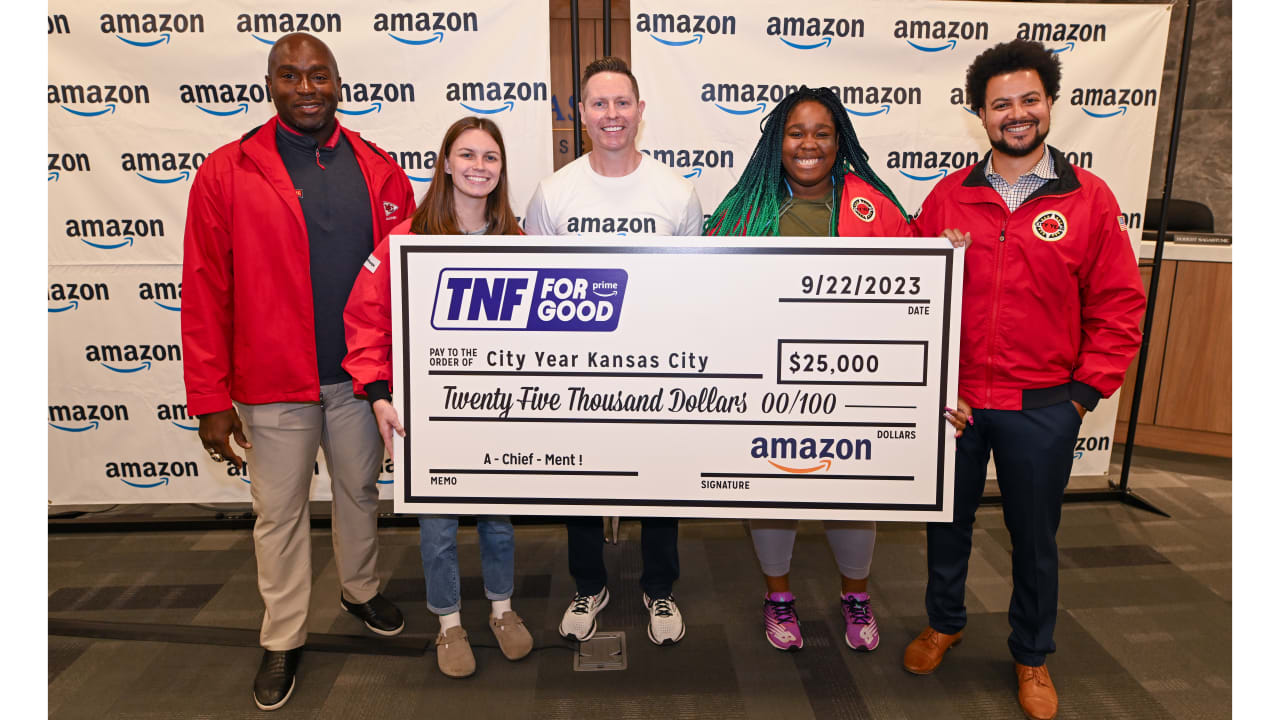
{"x": 1186, "y": 394}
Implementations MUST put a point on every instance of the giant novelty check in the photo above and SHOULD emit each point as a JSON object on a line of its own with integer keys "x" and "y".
{"x": 686, "y": 377}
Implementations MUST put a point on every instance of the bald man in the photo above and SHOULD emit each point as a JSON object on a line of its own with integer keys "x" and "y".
{"x": 279, "y": 223}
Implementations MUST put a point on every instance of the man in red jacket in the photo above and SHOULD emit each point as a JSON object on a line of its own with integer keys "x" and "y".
{"x": 1053, "y": 307}
{"x": 279, "y": 223}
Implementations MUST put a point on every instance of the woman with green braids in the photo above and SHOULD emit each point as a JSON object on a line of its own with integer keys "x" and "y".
{"x": 809, "y": 176}
{"x": 807, "y": 165}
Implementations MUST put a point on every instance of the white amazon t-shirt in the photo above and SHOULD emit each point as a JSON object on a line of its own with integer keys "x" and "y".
{"x": 651, "y": 200}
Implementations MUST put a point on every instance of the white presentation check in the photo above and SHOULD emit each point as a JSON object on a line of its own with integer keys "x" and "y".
{"x": 686, "y": 377}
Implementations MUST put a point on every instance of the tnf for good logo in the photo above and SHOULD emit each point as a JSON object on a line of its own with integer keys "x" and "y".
{"x": 1050, "y": 226}
{"x": 560, "y": 299}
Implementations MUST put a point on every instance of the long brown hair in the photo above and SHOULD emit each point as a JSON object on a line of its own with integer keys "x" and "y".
{"x": 436, "y": 214}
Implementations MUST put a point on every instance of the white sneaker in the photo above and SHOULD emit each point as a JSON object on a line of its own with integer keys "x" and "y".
{"x": 579, "y": 621}
{"x": 666, "y": 624}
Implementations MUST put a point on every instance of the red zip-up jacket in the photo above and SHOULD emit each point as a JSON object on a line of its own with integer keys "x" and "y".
{"x": 368, "y": 320}
{"x": 248, "y": 327}
{"x": 1053, "y": 303}
{"x": 864, "y": 212}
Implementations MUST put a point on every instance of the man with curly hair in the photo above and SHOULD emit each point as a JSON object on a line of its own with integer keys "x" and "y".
{"x": 1052, "y": 316}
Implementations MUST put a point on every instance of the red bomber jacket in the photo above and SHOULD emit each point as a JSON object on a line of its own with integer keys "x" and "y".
{"x": 1053, "y": 303}
{"x": 368, "y": 319}
{"x": 865, "y": 212}
{"x": 248, "y": 329}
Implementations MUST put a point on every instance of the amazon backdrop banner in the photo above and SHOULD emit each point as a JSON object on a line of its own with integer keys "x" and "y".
{"x": 140, "y": 92}
{"x": 709, "y": 71}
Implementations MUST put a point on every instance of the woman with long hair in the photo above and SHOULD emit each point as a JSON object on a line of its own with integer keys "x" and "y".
{"x": 809, "y": 176}
{"x": 467, "y": 196}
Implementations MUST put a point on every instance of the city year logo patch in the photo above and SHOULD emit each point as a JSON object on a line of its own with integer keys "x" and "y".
{"x": 863, "y": 208}
{"x": 1050, "y": 226}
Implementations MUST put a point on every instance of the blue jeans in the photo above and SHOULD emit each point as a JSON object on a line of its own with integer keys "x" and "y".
{"x": 438, "y": 542}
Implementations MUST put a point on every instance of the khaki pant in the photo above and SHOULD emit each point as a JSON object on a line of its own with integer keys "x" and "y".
{"x": 285, "y": 438}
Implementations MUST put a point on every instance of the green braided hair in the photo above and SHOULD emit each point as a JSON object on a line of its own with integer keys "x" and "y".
{"x": 753, "y": 206}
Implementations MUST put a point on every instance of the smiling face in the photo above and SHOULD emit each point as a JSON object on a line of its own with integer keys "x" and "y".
{"x": 610, "y": 112}
{"x": 1015, "y": 113}
{"x": 303, "y": 79}
{"x": 475, "y": 164}
{"x": 809, "y": 147}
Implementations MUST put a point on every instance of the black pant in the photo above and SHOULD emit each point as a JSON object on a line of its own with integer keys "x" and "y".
{"x": 1033, "y": 452}
{"x": 658, "y": 552}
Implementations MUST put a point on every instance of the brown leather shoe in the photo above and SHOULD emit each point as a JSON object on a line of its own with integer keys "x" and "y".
{"x": 1036, "y": 695}
{"x": 924, "y": 654}
{"x": 512, "y": 636}
{"x": 453, "y": 653}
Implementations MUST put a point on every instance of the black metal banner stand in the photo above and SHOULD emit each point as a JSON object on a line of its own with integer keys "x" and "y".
{"x": 1123, "y": 488}
{"x": 608, "y": 28}
{"x": 577, "y": 74}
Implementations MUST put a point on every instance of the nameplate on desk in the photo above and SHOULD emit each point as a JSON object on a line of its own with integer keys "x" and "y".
{"x": 1189, "y": 238}
{"x": 687, "y": 377}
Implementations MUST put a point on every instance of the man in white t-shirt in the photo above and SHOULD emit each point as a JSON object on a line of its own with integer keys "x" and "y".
{"x": 615, "y": 189}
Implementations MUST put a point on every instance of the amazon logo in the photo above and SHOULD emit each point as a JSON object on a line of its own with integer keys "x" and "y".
{"x": 224, "y": 99}
{"x": 165, "y": 295}
{"x": 1112, "y": 102}
{"x": 808, "y": 455}
{"x": 929, "y": 165}
{"x": 372, "y": 95}
{"x": 1064, "y": 34}
{"x": 127, "y": 359}
{"x": 691, "y": 161}
{"x": 83, "y": 418}
{"x": 64, "y": 297}
{"x": 162, "y": 168}
{"x": 176, "y": 414}
{"x": 490, "y": 98}
{"x": 258, "y": 25}
{"x": 112, "y": 233}
{"x": 686, "y": 29}
{"x": 813, "y": 33}
{"x": 60, "y": 163}
{"x": 97, "y": 100}
{"x": 424, "y": 28}
{"x": 418, "y": 165}
{"x": 159, "y": 28}
{"x": 935, "y": 36}
{"x": 147, "y": 474}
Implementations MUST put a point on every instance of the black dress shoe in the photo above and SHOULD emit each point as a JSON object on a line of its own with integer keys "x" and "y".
{"x": 379, "y": 614}
{"x": 274, "y": 683}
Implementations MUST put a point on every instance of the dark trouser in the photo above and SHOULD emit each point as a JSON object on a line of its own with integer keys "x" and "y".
{"x": 1033, "y": 452}
{"x": 658, "y": 551}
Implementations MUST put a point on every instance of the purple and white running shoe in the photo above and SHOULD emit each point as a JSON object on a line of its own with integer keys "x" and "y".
{"x": 781, "y": 626}
{"x": 860, "y": 630}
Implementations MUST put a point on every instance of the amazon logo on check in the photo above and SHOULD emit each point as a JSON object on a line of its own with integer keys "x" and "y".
{"x": 808, "y": 455}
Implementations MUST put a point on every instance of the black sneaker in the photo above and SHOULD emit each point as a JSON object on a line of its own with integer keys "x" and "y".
{"x": 274, "y": 682}
{"x": 379, "y": 614}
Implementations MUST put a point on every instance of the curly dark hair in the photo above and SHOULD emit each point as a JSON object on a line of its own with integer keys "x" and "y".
{"x": 1006, "y": 58}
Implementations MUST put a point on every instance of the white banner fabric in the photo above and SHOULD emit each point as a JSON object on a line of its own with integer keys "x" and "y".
{"x": 139, "y": 95}
{"x": 709, "y": 71}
